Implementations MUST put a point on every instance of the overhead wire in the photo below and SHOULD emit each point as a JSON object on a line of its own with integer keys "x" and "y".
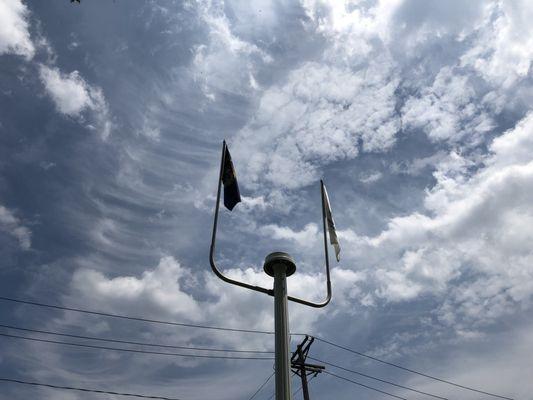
{"x": 90, "y": 346}
{"x": 273, "y": 394}
{"x": 141, "y": 319}
{"x": 19, "y": 328}
{"x": 363, "y": 385}
{"x": 377, "y": 379}
{"x": 262, "y": 386}
{"x": 173, "y": 323}
{"x": 412, "y": 370}
{"x": 48, "y": 385}
{"x": 301, "y": 386}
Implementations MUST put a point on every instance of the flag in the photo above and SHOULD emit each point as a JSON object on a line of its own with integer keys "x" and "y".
{"x": 331, "y": 225}
{"x": 232, "y": 196}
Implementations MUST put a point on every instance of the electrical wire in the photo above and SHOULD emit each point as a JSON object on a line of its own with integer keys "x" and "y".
{"x": 132, "y": 342}
{"x": 301, "y": 387}
{"x": 153, "y": 321}
{"x": 273, "y": 394}
{"x": 262, "y": 385}
{"x": 39, "y": 304}
{"x": 142, "y": 396}
{"x": 90, "y": 346}
{"x": 411, "y": 370}
{"x": 363, "y": 385}
{"x": 377, "y": 379}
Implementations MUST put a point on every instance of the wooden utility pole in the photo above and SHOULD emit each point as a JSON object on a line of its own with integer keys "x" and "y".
{"x": 301, "y": 368}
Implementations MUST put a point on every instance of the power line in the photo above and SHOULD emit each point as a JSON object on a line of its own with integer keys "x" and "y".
{"x": 363, "y": 385}
{"x": 262, "y": 385}
{"x": 273, "y": 394}
{"x": 39, "y": 304}
{"x": 153, "y": 321}
{"x": 85, "y": 389}
{"x": 301, "y": 386}
{"x": 412, "y": 370}
{"x": 90, "y": 346}
{"x": 132, "y": 342}
{"x": 377, "y": 379}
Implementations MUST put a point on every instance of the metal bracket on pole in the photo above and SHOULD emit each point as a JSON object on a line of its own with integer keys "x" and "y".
{"x": 328, "y": 279}
{"x": 214, "y": 236}
{"x": 270, "y": 292}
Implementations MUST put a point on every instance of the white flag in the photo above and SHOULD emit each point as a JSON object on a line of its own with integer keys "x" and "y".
{"x": 331, "y": 226}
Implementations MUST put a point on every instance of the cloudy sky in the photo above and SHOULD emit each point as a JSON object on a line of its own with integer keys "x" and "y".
{"x": 417, "y": 114}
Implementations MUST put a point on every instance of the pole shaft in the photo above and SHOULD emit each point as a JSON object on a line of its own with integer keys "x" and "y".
{"x": 303, "y": 373}
{"x": 281, "y": 322}
{"x": 305, "y": 389}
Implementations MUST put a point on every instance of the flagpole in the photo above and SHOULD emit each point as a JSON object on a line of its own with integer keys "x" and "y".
{"x": 214, "y": 236}
{"x": 217, "y": 204}
{"x": 328, "y": 279}
{"x": 280, "y": 265}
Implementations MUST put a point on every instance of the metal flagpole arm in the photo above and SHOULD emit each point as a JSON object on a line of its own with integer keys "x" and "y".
{"x": 278, "y": 265}
{"x": 328, "y": 280}
{"x": 270, "y": 292}
{"x": 213, "y": 239}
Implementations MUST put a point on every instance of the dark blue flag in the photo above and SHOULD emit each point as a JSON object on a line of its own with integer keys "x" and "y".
{"x": 232, "y": 196}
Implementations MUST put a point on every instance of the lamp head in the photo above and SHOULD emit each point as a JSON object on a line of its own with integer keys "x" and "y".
{"x": 279, "y": 257}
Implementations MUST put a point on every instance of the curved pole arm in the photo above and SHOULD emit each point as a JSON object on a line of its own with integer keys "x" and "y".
{"x": 328, "y": 280}
{"x": 213, "y": 239}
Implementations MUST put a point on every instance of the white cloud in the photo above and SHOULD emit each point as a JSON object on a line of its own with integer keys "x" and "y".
{"x": 333, "y": 108}
{"x": 254, "y": 203}
{"x": 448, "y": 110}
{"x": 14, "y": 29}
{"x": 72, "y": 95}
{"x": 13, "y": 226}
{"x": 325, "y": 110}
{"x": 414, "y": 26}
{"x": 322, "y": 114}
{"x": 307, "y": 237}
{"x": 226, "y": 62}
{"x": 158, "y": 289}
{"x": 150, "y": 130}
{"x": 345, "y": 21}
{"x": 491, "y": 72}
{"x": 477, "y": 232}
{"x": 490, "y": 40}
{"x": 418, "y": 165}
{"x": 165, "y": 292}
{"x": 70, "y": 92}
{"x": 371, "y": 177}
{"x": 346, "y": 100}
{"x": 503, "y": 53}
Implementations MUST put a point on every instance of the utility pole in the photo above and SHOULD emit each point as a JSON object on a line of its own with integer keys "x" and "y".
{"x": 301, "y": 368}
{"x": 279, "y": 265}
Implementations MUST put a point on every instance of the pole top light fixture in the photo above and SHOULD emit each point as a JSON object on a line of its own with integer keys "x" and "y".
{"x": 279, "y": 257}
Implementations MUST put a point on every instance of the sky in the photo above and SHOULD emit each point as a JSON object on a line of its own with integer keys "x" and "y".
{"x": 417, "y": 115}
